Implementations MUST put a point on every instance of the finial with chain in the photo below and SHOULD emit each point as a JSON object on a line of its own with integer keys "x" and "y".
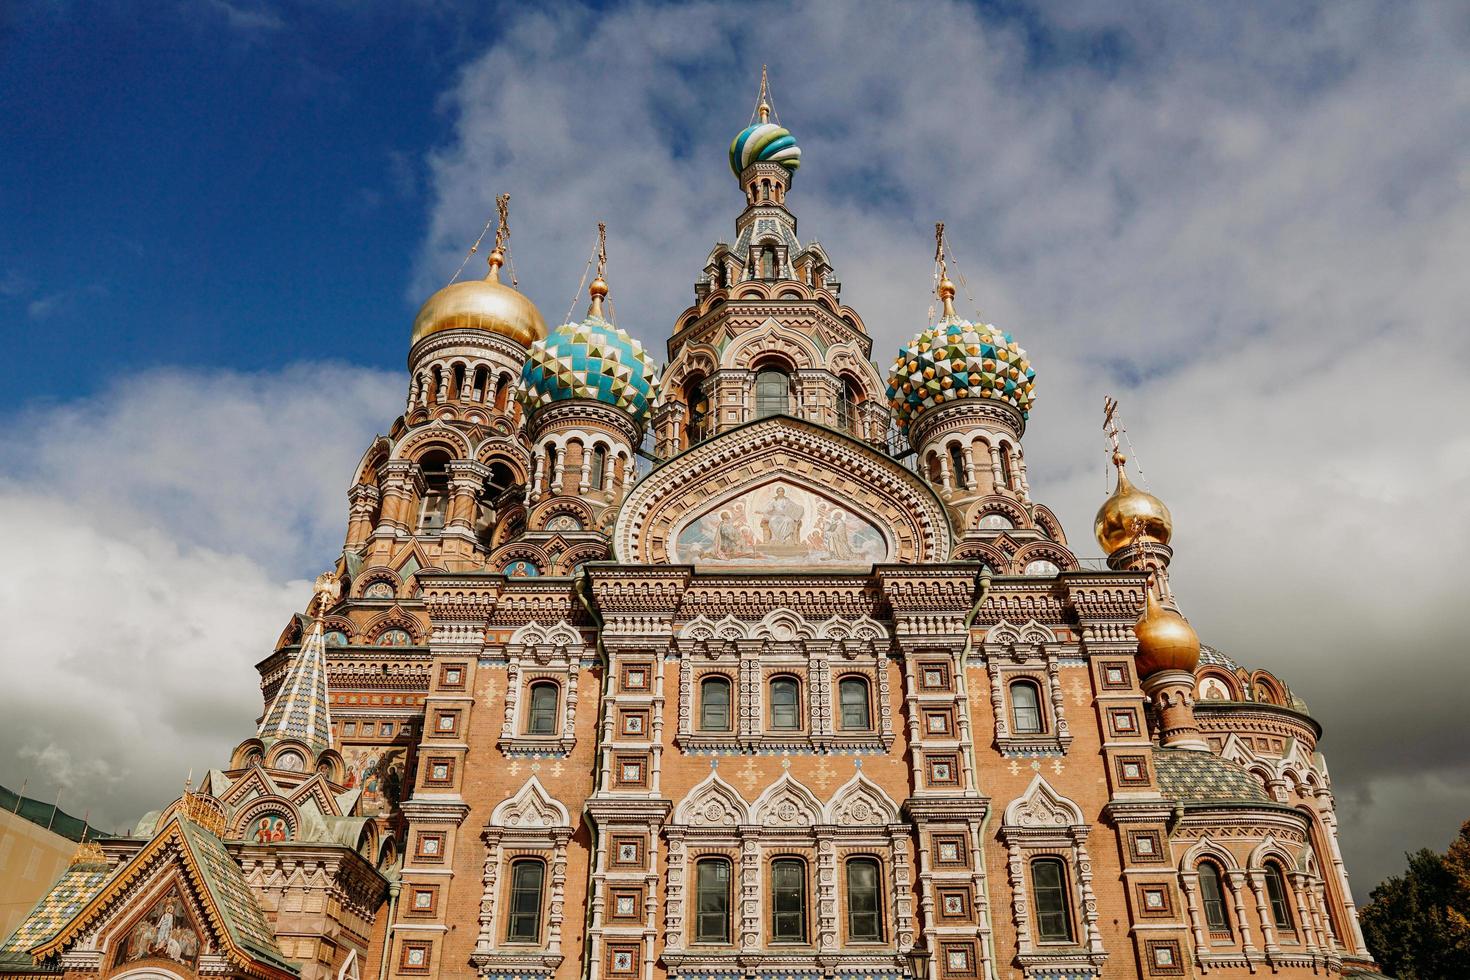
{"x": 598, "y": 289}
{"x": 946, "y": 288}
{"x": 763, "y": 101}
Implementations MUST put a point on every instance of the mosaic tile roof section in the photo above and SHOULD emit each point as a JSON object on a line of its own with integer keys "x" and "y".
{"x": 765, "y": 142}
{"x": 301, "y": 709}
{"x": 594, "y": 360}
{"x": 77, "y": 886}
{"x": 1200, "y": 777}
{"x": 242, "y": 915}
{"x": 959, "y": 359}
{"x": 1212, "y": 657}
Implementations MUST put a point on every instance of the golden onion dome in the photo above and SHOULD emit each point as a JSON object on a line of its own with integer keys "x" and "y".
{"x": 481, "y": 304}
{"x": 1131, "y": 515}
{"x": 1166, "y": 641}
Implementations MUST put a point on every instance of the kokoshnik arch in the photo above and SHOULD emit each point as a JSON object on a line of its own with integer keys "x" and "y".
{"x": 815, "y": 688}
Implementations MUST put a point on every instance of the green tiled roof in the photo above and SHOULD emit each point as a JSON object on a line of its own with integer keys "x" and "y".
{"x": 1203, "y": 777}
{"x": 77, "y": 886}
{"x": 243, "y": 917}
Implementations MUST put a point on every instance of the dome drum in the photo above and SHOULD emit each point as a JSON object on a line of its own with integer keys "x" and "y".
{"x": 585, "y": 414}
{"x": 966, "y": 415}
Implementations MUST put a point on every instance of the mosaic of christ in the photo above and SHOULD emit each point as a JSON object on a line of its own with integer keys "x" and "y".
{"x": 780, "y": 524}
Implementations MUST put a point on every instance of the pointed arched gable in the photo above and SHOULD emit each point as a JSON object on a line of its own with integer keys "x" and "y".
{"x": 787, "y": 803}
{"x": 712, "y": 803}
{"x": 530, "y": 808}
{"x": 860, "y": 802}
{"x": 893, "y": 515}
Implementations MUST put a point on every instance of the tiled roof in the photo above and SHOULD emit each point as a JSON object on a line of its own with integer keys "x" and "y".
{"x": 242, "y": 914}
{"x": 1203, "y": 777}
{"x": 77, "y": 886}
{"x": 1212, "y": 657}
{"x": 300, "y": 709}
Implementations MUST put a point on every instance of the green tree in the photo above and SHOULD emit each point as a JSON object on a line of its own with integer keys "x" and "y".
{"x": 1418, "y": 926}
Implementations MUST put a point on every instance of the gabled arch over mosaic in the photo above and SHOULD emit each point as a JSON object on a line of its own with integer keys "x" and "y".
{"x": 810, "y": 498}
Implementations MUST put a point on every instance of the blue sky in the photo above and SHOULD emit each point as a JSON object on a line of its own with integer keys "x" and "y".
{"x": 200, "y": 184}
{"x": 1249, "y": 221}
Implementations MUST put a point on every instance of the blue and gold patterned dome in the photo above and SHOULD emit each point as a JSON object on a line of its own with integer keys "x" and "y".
{"x": 765, "y": 142}
{"x": 957, "y": 359}
{"x": 593, "y": 359}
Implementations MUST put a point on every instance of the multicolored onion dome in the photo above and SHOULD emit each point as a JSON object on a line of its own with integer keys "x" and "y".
{"x": 959, "y": 359}
{"x": 765, "y": 142}
{"x": 592, "y": 359}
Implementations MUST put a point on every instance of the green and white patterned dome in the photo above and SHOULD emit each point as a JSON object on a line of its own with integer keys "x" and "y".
{"x": 593, "y": 359}
{"x": 957, "y": 359}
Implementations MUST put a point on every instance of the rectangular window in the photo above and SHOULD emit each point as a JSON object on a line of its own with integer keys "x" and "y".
{"x": 523, "y": 924}
{"x": 714, "y": 704}
{"x": 788, "y": 900}
{"x": 852, "y": 693}
{"x": 712, "y": 899}
{"x": 541, "y": 719}
{"x": 1049, "y": 895}
{"x": 785, "y": 709}
{"x": 864, "y": 906}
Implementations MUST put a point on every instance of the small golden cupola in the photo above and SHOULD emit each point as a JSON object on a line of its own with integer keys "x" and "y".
{"x": 1131, "y": 516}
{"x": 483, "y": 304}
{"x": 1166, "y": 641}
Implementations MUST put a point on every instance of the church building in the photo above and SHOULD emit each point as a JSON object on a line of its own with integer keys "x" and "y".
{"x": 749, "y": 661}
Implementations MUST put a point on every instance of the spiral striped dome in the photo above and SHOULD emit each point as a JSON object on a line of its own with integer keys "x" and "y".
{"x": 764, "y": 142}
{"x": 959, "y": 359}
{"x": 592, "y": 359}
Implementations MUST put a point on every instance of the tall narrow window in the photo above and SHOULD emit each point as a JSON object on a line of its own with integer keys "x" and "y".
{"x": 1025, "y": 708}
{"x": 788, "y": 900}
{"x": 551, "y": 469}
{"x": 714, "y": 704}
{"x": 772, "y": 393}
{"x": 864, "y": 907}
{"x": 1049, "y": 892}
{"x": 435, "y": 503}
{"x": 957, "y": 464}
{"x": 1276, "y": 892}
{"x": 768, "y": 263}
{"x": 1005, "y": 466}
{"x": 523, "y": 924}
{"x": 696, "y": 400}
{"x": 1213, "y": 898}
{"x": 852, "y": 694}
{"x": 599, "y": 466}
{"x": 542, "y": 717}
{"x": 847, "y": 406}
{"x": 785, "y": 712}
{"x": 712, "y": 887}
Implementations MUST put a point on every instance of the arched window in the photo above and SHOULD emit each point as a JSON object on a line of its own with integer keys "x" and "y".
{"x": 697, "y": 402}
{"x": 772, "y": 393}
{"x": 541, "y": 718}
{"x": 1213, "y": 898}
{"x": 712, "y": 900}
{"x": 714, "y": 704}
{"x": 788, "y": 900}
{"x": 599, "y": 465}
{"x": 852, "y": 697}
{"x": 864, "y": 906}
{"x": 1025, "y": 708}
{"x": 1005, "y": 465}
{"x": 1049, "y": 892}
{"x": 957, "y": 464}
{"x": 785, "y": 710}
{"x": 502, "y": 392}
{"x": 523, "y": 923}
{"x": 551, "y": 469}
{"x": 1276, "y": 893}
{"x": 768, "y": 263}
{"x": 847, "y": 402}
{"x": 435, "y": 503}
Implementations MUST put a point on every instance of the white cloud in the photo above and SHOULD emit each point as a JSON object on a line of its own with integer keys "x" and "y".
{"x": 1249, "y": 221}
{"x": 156, "y": 538}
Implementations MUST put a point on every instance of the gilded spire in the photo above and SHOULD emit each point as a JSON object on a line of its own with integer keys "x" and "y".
{"x": 1130, "y": 516}
{"x": 946, "y": 288}
{"x": 496, "y": 258}
{"x": 598, "y": 289}
{"x": 763, "y": 100}
{"x": 301, "y": 708}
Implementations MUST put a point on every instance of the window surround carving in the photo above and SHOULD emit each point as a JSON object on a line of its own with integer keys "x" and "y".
{"x": 1030, "y": 652}
{"x": 1043, "y": 823}
{"x": 787, "y": 820}
{"x": 541, "y": 653}
{"x": 816, "y": 654}
{"x": 530, "y": 824}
